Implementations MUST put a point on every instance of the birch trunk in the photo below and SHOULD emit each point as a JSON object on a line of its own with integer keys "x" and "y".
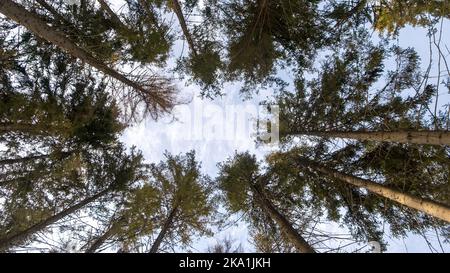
{"x": 430, "y": 207}
{"x": 417, "y": 137}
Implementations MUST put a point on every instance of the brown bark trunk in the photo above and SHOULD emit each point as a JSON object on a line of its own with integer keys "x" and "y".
{"x": 39, "y": 27}
{"x": 113, "y": 16}
{"x": 286, "y": 227}
{"x": 57, "y": 15}
{"x": 417, "y": 137}
{"x": 11, "y": 240}
{"x": 110, "y": 232}
{"x": 430, "y": 207}
{"x": 167, "y": 225}
{"x": 179, "y": 12}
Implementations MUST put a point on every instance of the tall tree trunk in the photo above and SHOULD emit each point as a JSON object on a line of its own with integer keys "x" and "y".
{"x": 286, "y": 227}
{"x": 179, "y": 12}
{"x": 39, "y": 27}
{"x": 430, "y": 207}
{"x": 110, "y": 232}
{"x": 167, "y": 225}
{"x": 113, "y": 16}
{"x": 55, "y": 13}
{"x": 10, "y": 240}
{"x": 417, "y": 137}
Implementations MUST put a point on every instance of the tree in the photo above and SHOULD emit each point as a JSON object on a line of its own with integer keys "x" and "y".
{"x": 435, "y": 209}
{"x": 390, "y": 15}
{"x": 261, "y": 35}
{"x": 361, "y": 211}
{"x": 394, "y": 14}
{"x": 417, "y": 137}
{"x": 204, "y": 62}
{"x": 225, "y": 246}
{"x": 187, "y": 199}
{"x": 243, "y": 187}
{"x": 110, "y": 172}
{"x": 344, "y": 99}
{"x": 175, "y": 5}
{"x": 157, "y": 96}
{"x": 134, "y": 220}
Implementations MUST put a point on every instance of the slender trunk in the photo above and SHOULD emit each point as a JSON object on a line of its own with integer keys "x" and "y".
{"x": 417, "y": 137}
{"x": 11, "y": 240}
{"x": 179, "y": 12}
{"x": 286, "y": 227}
{"x": 55, "y": 13}
{"x": 110, "y": 232}
{"x": 113, "y": 16}
{"x": 167, "y": 225}
{"x": 39, "y": 27}
{"x": 430, "y": 207}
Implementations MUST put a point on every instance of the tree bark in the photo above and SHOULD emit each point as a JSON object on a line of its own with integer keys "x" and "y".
{"x": 179, "y": 12}
{"x": 57, "y": 15}
{"x": 286, "y": 227}
{"x": 113, "y": 16}
{"x": 430, "y": 207}
{"x": 167, "y": 225}
{"x": 417, "y": 137}
{"x": 110, "y": 232}
{"x": 40, "y": 28}
{"x": 11, "y": 240}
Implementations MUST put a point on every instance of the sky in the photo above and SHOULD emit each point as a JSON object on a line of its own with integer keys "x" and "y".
{"x": 211, "y": 129}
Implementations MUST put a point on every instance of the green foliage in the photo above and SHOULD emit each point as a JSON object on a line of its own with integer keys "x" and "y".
{"x": 394, "y": 14}
{"x": 186, "y": 191}
{"x": 235, "y": 178}
{"x": 264, "y": 34}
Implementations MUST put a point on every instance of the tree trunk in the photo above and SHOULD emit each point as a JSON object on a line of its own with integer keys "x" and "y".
{"x": 110, "y": 232}
{"x": 113, "y": 16}
{"x": 286, "y": 227}
{"x": 430, "y": 207}
{"x": 417, "y": 137}
{"x": 179, "y": 12}
{"x": 11, "y": 240}
{"x": 39, "y": 27}
{"x": 167, "y": 225}
{"x": 57, "y": 15}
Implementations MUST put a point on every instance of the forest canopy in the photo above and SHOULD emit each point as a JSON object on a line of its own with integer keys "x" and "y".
{"x": 363, "y": 123}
